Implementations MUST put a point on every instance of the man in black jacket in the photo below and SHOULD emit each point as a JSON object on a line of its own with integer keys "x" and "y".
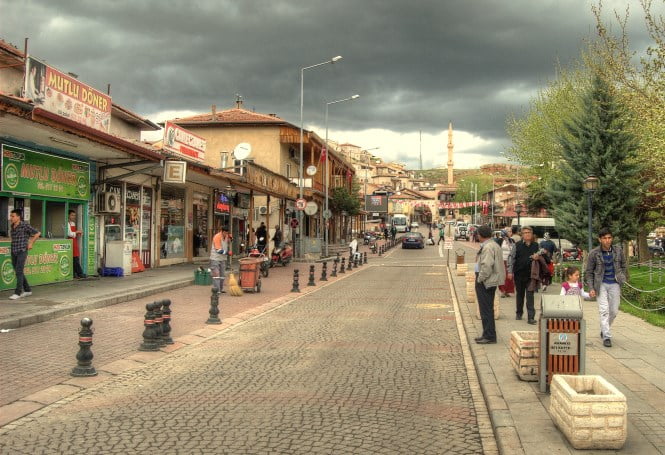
{"x": 519, "y": 268}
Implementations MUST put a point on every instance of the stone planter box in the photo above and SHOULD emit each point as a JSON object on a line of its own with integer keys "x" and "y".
{"x": 525, "y": 354}
{"x": 462, "y": 269}
{"x": 589, "y": 411}
{"x": 470, "y": 286}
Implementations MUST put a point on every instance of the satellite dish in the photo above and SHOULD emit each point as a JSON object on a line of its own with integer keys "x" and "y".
{"x": 242, "y": 151}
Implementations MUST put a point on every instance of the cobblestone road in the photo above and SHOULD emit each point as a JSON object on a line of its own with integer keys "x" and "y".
{"x": 369, "y": 364}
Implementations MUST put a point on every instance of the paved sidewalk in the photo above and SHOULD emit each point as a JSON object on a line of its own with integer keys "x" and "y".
{"x": 635, "y": 365}
{"x": 40, "y": 338}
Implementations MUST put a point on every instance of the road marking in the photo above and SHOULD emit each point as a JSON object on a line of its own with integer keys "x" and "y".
{"x": 431, "y": 306}
{"x": 433, "y": 273}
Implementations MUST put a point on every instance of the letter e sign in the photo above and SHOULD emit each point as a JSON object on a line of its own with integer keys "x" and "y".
{"x": 175, "y": 171}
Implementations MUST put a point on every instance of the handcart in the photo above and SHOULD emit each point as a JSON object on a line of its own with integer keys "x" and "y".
{"x": 250, "y": 277}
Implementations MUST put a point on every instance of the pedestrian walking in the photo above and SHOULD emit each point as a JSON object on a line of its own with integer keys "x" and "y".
{"x": 490, "y": 273}
{"x": 519, "y": 269}
{"x": 442, "y": 234}
{"x": 507, "y": 244}
{"x": 277, "y": 238}
{"x": 74, "y": 234}
{"x": 23, "y": 237}
{"x": 606, "y": 271}
{"x": 393, "y": 232}
{"x": 218, "y": 253}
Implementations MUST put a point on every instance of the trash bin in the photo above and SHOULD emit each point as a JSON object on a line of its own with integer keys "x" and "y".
{"x": 198, "y": 277}
{"x": 207, "y": 278}
{"x": 562, "y": 337}
{"x": 460, "y": 256}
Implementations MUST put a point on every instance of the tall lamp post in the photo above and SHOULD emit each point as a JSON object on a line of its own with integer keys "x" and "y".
{"x": 590, "y": 185}
{"x": 518, "y": 210}
{"x": 300, "y": 164}
{"x": 326, "y": 212}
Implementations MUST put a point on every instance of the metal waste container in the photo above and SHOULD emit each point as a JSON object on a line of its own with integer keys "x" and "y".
{"x": 562, "y": 337}
{"x": 460, "y": 256}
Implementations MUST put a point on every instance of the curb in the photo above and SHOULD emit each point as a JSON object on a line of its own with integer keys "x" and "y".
{"x": 67, "y": 308}
{"x": 505, "y": 431}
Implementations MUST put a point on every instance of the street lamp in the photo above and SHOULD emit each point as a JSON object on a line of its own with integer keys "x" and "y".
{"x": 590, "y": 185}
{"x": 518, "y": 210}
{"x": 300, "y": 165}
{"x": 325, "y": 202}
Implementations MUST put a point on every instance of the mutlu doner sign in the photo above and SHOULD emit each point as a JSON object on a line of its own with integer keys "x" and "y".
{"x": 28, "y": 172}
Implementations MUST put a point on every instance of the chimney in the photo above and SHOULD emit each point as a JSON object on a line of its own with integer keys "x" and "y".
{"x": 214, "y": 111}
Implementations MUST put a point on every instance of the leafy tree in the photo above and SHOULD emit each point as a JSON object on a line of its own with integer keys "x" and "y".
{"x": 345, "y": 200}
{"x": 639, "y": 82}
{"x": 597, "y": 143}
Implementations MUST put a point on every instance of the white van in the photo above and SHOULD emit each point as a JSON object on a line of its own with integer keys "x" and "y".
{"x": 541, "y": 226}
{"x": 401, "y": 222}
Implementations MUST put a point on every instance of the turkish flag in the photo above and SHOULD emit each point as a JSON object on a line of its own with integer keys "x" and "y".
{"x": 324, "y": 155}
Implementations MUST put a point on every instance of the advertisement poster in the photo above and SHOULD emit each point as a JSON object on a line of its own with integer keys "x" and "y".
{"x": 65, "y": 96}
{"x": 376, "y": 203}
{"x": 49, "y": 261}
{"x": 30, "y": 172}
{"x": 184, "y": 143}
{"x": 90, "y": 269}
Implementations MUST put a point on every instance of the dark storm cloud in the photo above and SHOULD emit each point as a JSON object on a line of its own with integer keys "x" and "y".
{"x": 417, "y": 65}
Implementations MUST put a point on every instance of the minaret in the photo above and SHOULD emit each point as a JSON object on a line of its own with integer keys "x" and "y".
{"x": 450, "y": 153}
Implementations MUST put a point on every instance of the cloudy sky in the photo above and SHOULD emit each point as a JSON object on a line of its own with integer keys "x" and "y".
{"x": 415, "y": 64}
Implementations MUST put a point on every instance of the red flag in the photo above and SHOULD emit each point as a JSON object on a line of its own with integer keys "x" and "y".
{"x": 348, "y": 175}
{"x": 324, "y": 155}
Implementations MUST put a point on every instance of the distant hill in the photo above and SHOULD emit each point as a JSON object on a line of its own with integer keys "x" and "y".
{"x": 440, "y": 175}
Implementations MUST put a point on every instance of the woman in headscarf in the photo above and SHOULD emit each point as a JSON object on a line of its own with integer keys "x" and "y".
{"x": 507, "y": 244}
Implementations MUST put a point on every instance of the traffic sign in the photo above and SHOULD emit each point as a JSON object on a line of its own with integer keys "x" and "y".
{"x": 294, "y": 223}
{"x": 327, "y": 214}
{"x": 311, "y": 208}
{"x": 301, "y": 204}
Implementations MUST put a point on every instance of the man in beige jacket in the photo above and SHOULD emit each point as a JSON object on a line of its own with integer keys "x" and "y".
{"x": 490, "y": 273}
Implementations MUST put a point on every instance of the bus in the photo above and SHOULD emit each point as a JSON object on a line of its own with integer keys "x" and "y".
{"x": 401, "y": 223}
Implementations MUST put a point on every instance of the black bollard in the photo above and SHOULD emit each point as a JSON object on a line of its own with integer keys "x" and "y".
{"x": 213, "y": 312}
{"x": 84, "y": 356}
{"x": 341, "y": 269}
{"x": 166, "y": 326}
{"x": 380, "y": 250}
{"x": 337, "y": 258}
{"x": 355, "y": 261}
{"x": 149, "y": 342}
{"x": 334, "y": 270}
{"x": 311, "y": 276}
{"x": 324, "y": 272}
{"x": 365, "y": 257}
{"x": 296, "y": 287}
{"x": 349, "y": 264}
{"x": 159, "y": 323}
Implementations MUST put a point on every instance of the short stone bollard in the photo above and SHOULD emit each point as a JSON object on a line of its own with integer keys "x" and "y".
{"x": 334, "y": 270}
{"x": 213, "y": 312}
{"x": 159, "y": 323}
{"x": 296, "y": 285}
{"x": 166, "y": 326}
{"x": 311, "y": 276}
{"x": 149, "y": 343}
{"x": 365, "y": 257}
{"x": 525, "y": 354}
{"x": 84, "y": 356}
{"x": 341, "y": 269}
{"x": 324, "y": 271}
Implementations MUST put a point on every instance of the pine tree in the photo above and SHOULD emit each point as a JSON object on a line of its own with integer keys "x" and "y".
{"x": 599, "y": 144}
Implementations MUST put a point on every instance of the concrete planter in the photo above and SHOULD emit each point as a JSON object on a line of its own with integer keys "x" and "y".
{"x": 470, "y": 286}
{"x": 524, "y": 354}
{"x": 462, "y": 269}
{"x": 589, "y": 411}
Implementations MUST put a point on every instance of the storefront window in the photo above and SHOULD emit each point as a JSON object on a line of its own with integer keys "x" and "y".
{"x": 146, "y": 224}
{"x": 56, "y": 220}
{"x": 133, "y": 215}
{"x": 172, "y": 217}
{"x": 200, "y": 210}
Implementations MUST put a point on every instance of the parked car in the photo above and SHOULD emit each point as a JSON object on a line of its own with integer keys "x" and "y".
{"x": 413, "y": 240}
{"x": 461, "y": 231}
{"x": 414, "y": 225}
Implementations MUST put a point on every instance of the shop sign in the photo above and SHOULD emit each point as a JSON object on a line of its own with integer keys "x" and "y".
{"x": 29, "y": 172}
{"x": 222, "y": 203}
{"x": 65, "y": 96}
{"x": 376, "y": 203}
{"x": 48, "y": 261}
{"x": 175, "y": 171}
{"x": 92, "y": 241}
{"x": 184, "y": 143}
